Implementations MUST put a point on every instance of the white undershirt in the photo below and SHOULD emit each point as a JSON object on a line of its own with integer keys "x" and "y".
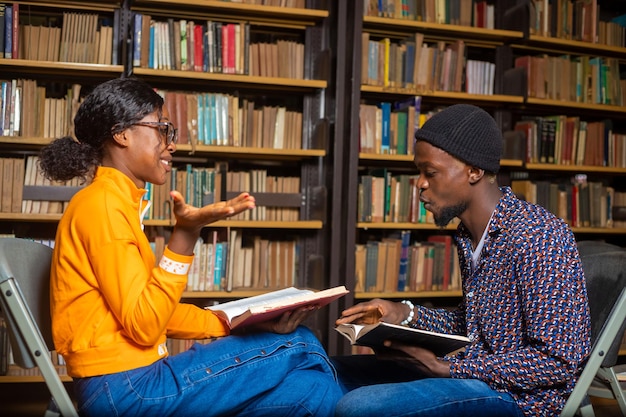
{"x": 479, "y": 248}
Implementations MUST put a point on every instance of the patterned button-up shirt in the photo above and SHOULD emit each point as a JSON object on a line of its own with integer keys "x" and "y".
{"x": 524, "y": 308}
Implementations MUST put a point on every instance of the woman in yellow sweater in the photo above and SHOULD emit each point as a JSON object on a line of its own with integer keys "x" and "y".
{"x": 112, "y": 308}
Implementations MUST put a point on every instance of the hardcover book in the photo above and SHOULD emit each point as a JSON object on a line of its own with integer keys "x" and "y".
{"x": 264, "y": 307}
{"x": 374, "y": 335}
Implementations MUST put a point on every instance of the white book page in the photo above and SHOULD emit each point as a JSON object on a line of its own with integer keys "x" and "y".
{"x": 238, "y": 307}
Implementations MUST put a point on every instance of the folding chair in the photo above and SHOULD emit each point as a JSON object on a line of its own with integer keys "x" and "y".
{"x": 605, "y": 272}
{"x": 25, "y": 304}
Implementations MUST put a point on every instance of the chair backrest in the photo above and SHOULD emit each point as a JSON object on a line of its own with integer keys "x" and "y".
{"x": 25, "y": 304}
{"x": 604, "y": 266}
{"x": 28, "y": 263}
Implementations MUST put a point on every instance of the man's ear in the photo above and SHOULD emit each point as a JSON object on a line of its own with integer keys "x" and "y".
{"x": 475, "y": 174}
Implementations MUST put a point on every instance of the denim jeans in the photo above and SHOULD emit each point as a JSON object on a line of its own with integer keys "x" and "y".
{"x": 385, "y": 388}
{"x": 261, "y": 374}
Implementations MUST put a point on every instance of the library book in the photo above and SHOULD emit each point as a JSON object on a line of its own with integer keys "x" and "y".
{"x": 264, "y": 307}
{"x": 374, "y": 335}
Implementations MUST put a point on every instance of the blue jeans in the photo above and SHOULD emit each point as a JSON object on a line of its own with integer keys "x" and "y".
{"x": 262, "y": 374}
{"x": 386, "y": 388}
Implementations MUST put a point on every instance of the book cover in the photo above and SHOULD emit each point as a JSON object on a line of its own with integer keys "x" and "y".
{"x": 374, "y": 335}
{"x": 268, "y": 306}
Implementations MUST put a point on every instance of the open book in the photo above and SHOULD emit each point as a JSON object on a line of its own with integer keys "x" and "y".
{"x": 259, "y": 308}
{"x": 373, "y": 335}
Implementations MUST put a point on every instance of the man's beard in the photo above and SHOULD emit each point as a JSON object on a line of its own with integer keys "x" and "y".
{"x": 448, "y": 213}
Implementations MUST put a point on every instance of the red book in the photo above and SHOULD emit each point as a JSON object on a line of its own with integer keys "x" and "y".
{"x": 198, "y": 51}
{"x": 232, "y": 43}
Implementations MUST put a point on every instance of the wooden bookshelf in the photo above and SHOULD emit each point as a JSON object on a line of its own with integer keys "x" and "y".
{"x": 310, "y": 96}
{"x": 484, "y": 43}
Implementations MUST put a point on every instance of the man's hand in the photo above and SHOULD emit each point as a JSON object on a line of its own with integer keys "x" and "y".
{"x": 415, "y": 357}
{"x": 373, "y": 311}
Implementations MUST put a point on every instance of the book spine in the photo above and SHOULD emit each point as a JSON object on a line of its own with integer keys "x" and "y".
{"x": 8, "y": 32}
{"x": 404, "y": 260}
{"x": 2, "y": 18}
{"x": 15, "y": 30}
{"x": 137, "y": 23}
{"x": 386, "y": 127}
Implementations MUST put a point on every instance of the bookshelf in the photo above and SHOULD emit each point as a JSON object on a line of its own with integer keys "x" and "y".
{"x": 307, "y": 94}
{"x": 511, "y": 35}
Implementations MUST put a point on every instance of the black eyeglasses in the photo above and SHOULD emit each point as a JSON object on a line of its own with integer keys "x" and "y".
{"x": 167, "y": 129}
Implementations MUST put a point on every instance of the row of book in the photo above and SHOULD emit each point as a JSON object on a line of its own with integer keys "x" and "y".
{"x": 384, "y": 197}
{"x": 214, "y": 47}
{"x": 67, "y": 37}
{"x": 224, "y": 119}
{"x": 205, "y": 185}
{"x": 581, "y": 203}
{"x": 567, "y": 140}
{"x": 29, "y": 109}
{"x": 198, "y": 185}
{"x": 243, "y": 263}
{"x": 580, "y": 79}
{"x": 575, "y": 20}
{"x": 456, "y": 12}
{"x": 564, "y": 19}
{"x": 84, "y": 38}
{"x": 394, "y": 264}
{"x": 299, "y": 4}
{"x": 389, "y": 128}
{"x": 202, "y": 118}
{"x": 412, "y": 63}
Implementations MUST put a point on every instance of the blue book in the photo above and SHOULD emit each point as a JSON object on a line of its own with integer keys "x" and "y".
{"x": 151, "y": 48}
{"x": 217, "y": 266}
{"x": 213, "y": 119}
{"x": 386, "y": 134}
{"x": 8, "y": 32}
{"x": 200, "y": 110}
{"x": 148, "y": 197}
{"x": 405, "y": 237}
{"x": 2, "y": 10}
{"x": 137, "y": 22}
{"x": 3, "y": 106}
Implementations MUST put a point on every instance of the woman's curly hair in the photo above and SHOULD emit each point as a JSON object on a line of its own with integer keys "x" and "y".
{"x": 109, "y": 109}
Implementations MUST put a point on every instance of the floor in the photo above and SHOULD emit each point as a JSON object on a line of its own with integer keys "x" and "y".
{"x": 605, "y": 408}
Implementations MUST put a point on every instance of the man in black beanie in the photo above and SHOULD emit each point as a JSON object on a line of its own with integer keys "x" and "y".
{"x": 524, "y": 305}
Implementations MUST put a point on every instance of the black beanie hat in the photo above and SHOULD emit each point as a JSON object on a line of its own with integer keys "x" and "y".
{"x": 466, "y": 132}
